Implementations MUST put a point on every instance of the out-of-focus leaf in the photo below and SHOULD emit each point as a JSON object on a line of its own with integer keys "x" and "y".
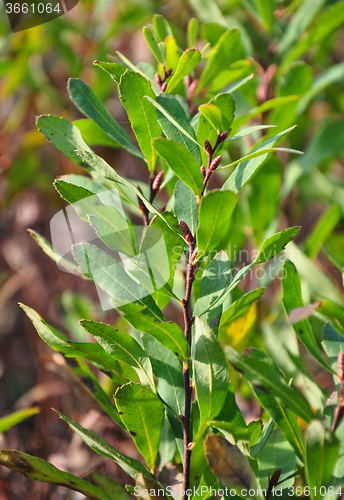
{"x": 89, "y": 103}
{"x": 143, "y": 414}
{"x": 210, "y": 374}
{"x": 292, "y": 299}
{"x": 301, "y": 313}
{"x": 192, "y": 32}
{"x": 182, "y": 162}
{"x": 333, "y": 344}
{"x": 167, "y": 446}
{"x": 284, "y": 418}
{"x": 16, "y": 417}
{"x": 188, "y": 60}
{"x": 228, "y": 463}
{"x": 238, "y": 330}
{"x": 222, "y": 54}
{"x": 185, "y": 205}
{"x": 332, "y": 312}
{"x": 214, "y": 280}
{"x": 142, "y": 115}
{"x": 260, "y": 370}
{"x": 65, "y": 136}
{"x": 276, "y": 454}
{"x": 267, "y": 9}
{"x": 176, "y": 111}
{"x": 161, "y": 27}
{"x": 322, "y": 230}
{"x": 215, "y": 214}
{"x": 99, "y": 445}
{"x": 114, "y": 490}
{"x": 321, "y": 456}
{"x": 122, "y": 347}
{"x": 40, "y": 470}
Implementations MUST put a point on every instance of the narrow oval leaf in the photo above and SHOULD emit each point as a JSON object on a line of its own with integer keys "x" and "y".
{"x": 210, "y": 373}
{"x": 93, "y": 134}
{"x": 213, "y": 114}
{"x": 240, "y": 306}
{"x": 292, "y": 299}
{"x": 122, "y": 347}
{"x": 215, "y": 213}
{"x": 188, "y": 60}
{"x": 89, "y": 103}
{"x": 153, "y": 44}
{"x": 185, "y": 205}
{"x": 142, "y": 115}
{"x": 115, "y": 70}
{"x": 142, "y": 413}
{"x": 228, "y": 463}
{"x": 182, "y": 162}
{"x": 40, "y": 470}
{"x": 16, "y": 417}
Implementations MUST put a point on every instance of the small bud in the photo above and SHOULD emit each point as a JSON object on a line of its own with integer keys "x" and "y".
{"x": 186, "y": 231}
{"x": 275, "y": 477}
{"x": 168, "y": 73}
{"x": 181, "y": 417}
{"x": 157, "y": 181}
{"x": 203, "y": 171}
{"x": 162, "y": 208}
{"x": 142, "y": 206}
{"x": 157, "y": 78}
{"x": 207, "y": 146}
{"x": 341, "y": 366}
{"x": 223, "y": 136}
{"x": 194, "y": 255}
{"x": 215, "y": 163}
{"x": 190, "y": 445}
{"x": 163, "y": 87}
{"x": 192, "y": 88}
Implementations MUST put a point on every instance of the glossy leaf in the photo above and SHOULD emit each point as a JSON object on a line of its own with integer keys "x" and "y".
{"x": 153, "y": 44}
{"x": 215, "y": 214}
{"x": 188, "y": 60}
{"x": 143, "y": 414}
{"x": 40, "y": 470}
{"x": 90, "y": 104}
{"x": 115, "y": 70}
{"x": 292, "y": 298}
{"x": 240, "y": 306}
{"x": 185, "y": 205}
{"x": 122, "y": 347}
{"x": 210, "y": 374}
{"x": 213, "y": 114}
{"x": 142, "y": 115}
{"x": 93, "y": 134}
{"x": 113, "y": 489}
{"x": 182, "y": 162}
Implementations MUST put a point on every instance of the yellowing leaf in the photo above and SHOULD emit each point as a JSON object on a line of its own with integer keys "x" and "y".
{"x": 238, "y": 329}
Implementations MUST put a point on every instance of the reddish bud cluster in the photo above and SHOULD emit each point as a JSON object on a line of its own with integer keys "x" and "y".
{"x": 203, "y": 171}
{"x": 162, "y": 208}
{"x": 207, "y": 146}
{"x": 142, "y": 206}
{"x": 157, "y": 181}
{"x": 186, "y": 231}
{"x": 194, "y": 255}
{"x": 223, "y": 136}
{"x": 215, "y": 163}
{"x": 163, "y": 87}
{"x": 168, "y": 73}
{"x": 341, "y": 366}
{"x": 157, "y": 78}
{"x": 191, "y": 89}
{"x": 275, "y": 477}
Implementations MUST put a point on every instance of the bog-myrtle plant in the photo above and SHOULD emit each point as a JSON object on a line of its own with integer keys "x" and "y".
{"x": 180, "y": 408}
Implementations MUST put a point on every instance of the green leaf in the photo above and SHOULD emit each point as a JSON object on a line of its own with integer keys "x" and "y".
{"x": 93, "y": 134}
{"x": 267, "y": 9}
{"x": 192, "y": 32}
{"x": 153, "y": 44}
{"x": 115, "y": 70}
{"x": 292, "y": 298}
{"x": 284, "y": 418}
{"x": 168, "y": 370}
{"x": 122, "y": 347}
{"x": 114, "y": 490}
{"x": 161, "y": 27}
{"x": 182, "y": 162}
{"x": 65, "y": 264}
{"x": 213, "y": 114}
{"x": 54, "y": 339}
{"x": 210, "y": 373}
{"x": 215, "y": 214}
{"x": 166, "y": 332}
{"x": 333, "y": 344}
{"x": 266, "y": 433}
{"x": 248, "y": 131}
{"x": 245, "y": 170}
{"x": 143, "y": 414}
{"x": 276, "y": 454}
{"x": 89, "y": 103}
{"x": 214, "y": 281}
{"x": 16, "y": 417}
{"x": 261, "y": 371}
{"x": 175, "y": 110}
{"x": 322, "y": 230}
{"x": 40, "y": 470}
{"x": 321, "y": 456}
{"x": 222, "y": 54}
{"x": 230, "y": 411}
{"x": 63, "y": 135}
{"x": 110, "y": 276}
{"x": 240, "y": 306}
{"x": 228, "y": 463}
{"x": 185, "y": 205}
{"x": 188, "y": 60}
{"x": 133, "y": 88}
{"x": 167, "y": 446}
{"x": 164, "y": 111}
{"x": 99, "y": 445}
